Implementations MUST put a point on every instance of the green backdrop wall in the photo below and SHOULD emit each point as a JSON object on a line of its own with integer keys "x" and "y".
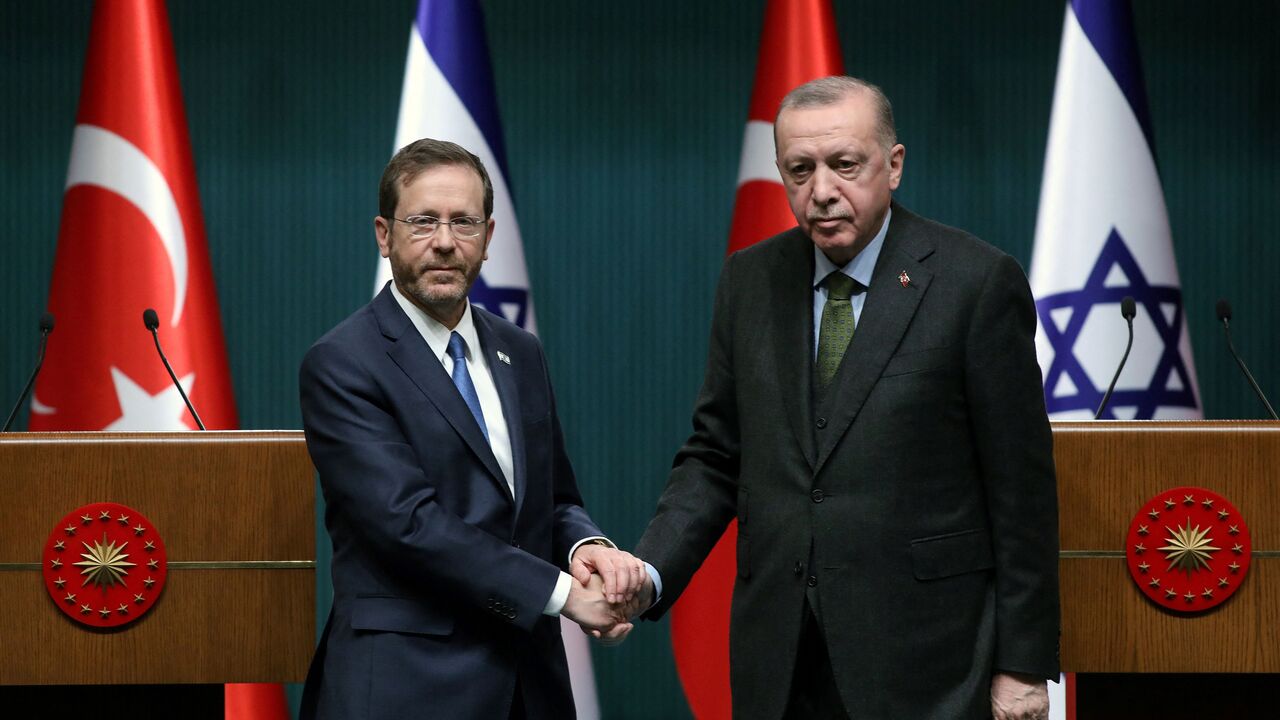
{"x": 623, "y": 124}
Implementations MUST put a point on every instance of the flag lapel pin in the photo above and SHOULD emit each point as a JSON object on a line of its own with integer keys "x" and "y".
{"x": 904, "y": 278}
{"x": 503, "y": 357}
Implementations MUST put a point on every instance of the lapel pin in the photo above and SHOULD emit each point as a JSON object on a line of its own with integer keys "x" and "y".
{"x": 503, "y": 357}
{"x": 904, "y": 278}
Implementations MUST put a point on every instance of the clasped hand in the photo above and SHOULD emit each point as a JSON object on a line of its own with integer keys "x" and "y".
{"x": 610, "y": 588}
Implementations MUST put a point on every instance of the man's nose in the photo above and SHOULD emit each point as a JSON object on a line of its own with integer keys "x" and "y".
{"x": 824, "y": 187}
{"x": 443, "y": 240}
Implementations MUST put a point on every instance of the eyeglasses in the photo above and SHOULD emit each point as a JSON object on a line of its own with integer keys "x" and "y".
{"x": 424, "y": 226}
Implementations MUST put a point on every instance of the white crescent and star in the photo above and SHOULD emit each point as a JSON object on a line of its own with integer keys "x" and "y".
{"x": 143, "y": 411}
{"x": 758, "y": 160}
{"x": 104, "y": 159}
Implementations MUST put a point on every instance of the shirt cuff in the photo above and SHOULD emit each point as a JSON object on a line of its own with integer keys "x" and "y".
{"x": 559, "y": 596}
{"x": 657, "y": 586}
{"x": 597, "y": 539}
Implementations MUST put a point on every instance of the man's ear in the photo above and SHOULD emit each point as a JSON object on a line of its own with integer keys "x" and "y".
{"x": 382, "y": 232}
{"x": 897, "y": 158}
{"x": 488, "y": 236}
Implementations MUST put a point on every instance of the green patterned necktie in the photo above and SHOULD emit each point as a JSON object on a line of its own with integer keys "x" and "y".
{"x": 837, "y": 326}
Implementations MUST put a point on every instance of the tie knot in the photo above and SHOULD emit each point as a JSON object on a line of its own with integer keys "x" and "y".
{"x": 840, "y": 286}
{"x": 457, "y": 347}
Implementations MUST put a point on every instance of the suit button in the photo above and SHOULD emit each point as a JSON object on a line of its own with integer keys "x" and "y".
{"x": 817, "y": 496}
{"x": 813, "y": 581}
{"x": 822, "y": 422}
{"x": 511, "y": 614}
{"x": 799, "y": 568}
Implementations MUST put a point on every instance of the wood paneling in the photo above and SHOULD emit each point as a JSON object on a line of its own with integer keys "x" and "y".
{"x": 213, "y": 497}
{"x": 1106, "y": 472}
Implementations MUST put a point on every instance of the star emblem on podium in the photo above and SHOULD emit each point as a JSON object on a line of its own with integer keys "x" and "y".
{"x": 1187, "y": 567}
{"x": 1115, "y": 274}
{"x": 108, "y": 564}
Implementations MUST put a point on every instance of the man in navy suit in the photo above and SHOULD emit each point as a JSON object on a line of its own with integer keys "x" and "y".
{"x": 452, "y": 506}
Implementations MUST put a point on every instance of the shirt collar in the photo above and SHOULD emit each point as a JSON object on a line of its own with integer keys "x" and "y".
{"x": 434, "y": 332}
{"x": 862, "y": 265}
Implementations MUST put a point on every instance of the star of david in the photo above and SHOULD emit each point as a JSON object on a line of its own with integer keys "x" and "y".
{"x": 511, "y": 303}
{"x": 1095, "y": 292}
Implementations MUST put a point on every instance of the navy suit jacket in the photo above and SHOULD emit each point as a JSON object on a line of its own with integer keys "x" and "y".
{"x": 440, "y": 575}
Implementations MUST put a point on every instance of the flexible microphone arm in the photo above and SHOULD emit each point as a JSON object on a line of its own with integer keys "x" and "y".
{"x": 46, "y": 328}
{"x": 152, "y": 321}
{"x": 1224, "y": 316}
{"x": 1128, "y": 309}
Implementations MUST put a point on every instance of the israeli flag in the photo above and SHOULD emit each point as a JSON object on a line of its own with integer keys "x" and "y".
{"x": 1103, "y": 233}
{"x": 448, "y": 95}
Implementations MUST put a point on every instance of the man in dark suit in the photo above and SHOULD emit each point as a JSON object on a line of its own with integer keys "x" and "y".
{"x": 451, "y": 504}
{"x": 872, "y": 416}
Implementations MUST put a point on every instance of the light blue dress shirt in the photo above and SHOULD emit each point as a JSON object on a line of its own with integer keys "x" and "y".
{"x": 859, "y": 268}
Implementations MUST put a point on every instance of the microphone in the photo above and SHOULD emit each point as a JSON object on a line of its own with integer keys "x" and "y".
{"x": 46, "y": 327}
{"x": 152, "y": 321}
{"x": 1224, "y": 317}
{"x": 1128, "y": 309}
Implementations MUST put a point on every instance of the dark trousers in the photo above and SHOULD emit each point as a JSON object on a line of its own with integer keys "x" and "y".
{"x": 813, "y": 693}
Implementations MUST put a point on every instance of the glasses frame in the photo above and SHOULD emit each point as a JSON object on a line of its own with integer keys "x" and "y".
{"x": 414, "y": 228}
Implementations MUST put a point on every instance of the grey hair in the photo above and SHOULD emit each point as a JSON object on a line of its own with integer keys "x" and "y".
{"x": 831, "y": 90}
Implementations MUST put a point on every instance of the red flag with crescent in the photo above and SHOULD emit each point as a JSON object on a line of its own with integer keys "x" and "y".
{"x": 131, "y": 238}
{"x": 798, "y": 44}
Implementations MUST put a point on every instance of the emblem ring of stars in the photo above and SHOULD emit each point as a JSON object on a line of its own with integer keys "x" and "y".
{"x": 1188, "y": 549}
{"x": 105, "y": 563}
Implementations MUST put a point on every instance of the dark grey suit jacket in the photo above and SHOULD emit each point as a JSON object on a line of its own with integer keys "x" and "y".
{"x": 921, "y": 485}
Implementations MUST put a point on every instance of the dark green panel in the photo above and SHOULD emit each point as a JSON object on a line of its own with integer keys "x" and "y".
{"x": 623, "y": 124}
{"x": 1215, "y": 97}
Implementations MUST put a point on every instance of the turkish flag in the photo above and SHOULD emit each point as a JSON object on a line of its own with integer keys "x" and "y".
{"x": 798, "y": 44}
{"x": 132, "y": 238}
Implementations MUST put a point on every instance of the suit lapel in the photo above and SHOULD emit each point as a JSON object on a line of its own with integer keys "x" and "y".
{"x": 504, "y": 379}
{"x": 885, "y": 316}
{"x": 793, "y": 333}
{"x": 413, "y": 356}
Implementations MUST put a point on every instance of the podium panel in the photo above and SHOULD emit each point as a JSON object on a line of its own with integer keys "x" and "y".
{"x": 1106, "y": 472}
{"x": 236, "y": 511}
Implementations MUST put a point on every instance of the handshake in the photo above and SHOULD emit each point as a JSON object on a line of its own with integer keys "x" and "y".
{"x": 609, "y": 588}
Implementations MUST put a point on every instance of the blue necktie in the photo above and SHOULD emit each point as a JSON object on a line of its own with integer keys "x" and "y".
{"x": 462, "y": 379}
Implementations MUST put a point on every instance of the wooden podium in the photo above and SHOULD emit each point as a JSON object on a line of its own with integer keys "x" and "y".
{"x": 236, "y": 512}
{"x": 1106, "y": 472}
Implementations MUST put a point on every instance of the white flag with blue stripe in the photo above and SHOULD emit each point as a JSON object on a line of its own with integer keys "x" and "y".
{"x": 448, "y": 95}
{"x": 1103, "y": 233}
